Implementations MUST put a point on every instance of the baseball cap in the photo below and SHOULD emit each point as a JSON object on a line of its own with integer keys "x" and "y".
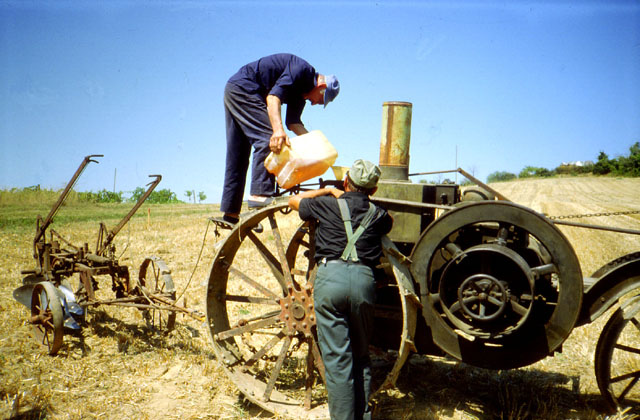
{"x": 364, "y": 174}
{"x": 332, "y": 90}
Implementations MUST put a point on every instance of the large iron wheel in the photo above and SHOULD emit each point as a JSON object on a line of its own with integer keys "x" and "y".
{"x": 617, "y": 358}
{"x": 156, "y": 285}
{"x": 47, "y": 317}
{"x": 261, "y": 317}
{"x": 501, "y": 286}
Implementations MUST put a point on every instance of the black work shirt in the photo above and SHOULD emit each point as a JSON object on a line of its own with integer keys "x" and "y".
{"x": 286, "y": 76}
{"x": 331, "y": 238}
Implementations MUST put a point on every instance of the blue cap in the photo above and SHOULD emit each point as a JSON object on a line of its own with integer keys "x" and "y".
{"x": 332, "y": 90}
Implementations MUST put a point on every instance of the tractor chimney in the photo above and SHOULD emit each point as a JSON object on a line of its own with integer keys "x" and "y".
{"x": 395, "y": 139}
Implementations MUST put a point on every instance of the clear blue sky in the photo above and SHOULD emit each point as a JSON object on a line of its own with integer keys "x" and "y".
{"x": 506, "y": 84}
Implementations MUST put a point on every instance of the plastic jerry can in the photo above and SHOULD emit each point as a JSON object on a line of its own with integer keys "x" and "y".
{"x": 309, "y": 156}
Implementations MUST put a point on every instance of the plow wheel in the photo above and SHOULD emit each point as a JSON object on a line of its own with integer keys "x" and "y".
{"x": 47, "y": 317}
{"x": 261, "y": 317}
{"x": 617, "y": 359}
{"x": 501, "y": 287}
{"x": 156, "y": 286}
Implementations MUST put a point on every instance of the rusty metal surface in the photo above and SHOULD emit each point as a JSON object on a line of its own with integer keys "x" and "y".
{"x": 58, "y": 260}
{"x": 395, "y": 140}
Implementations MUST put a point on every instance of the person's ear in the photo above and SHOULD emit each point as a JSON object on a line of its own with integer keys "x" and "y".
{"x": 345, "y": 183}
{"x": 321, "y": 83}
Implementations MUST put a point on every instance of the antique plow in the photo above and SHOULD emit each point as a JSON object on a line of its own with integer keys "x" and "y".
{"x": 56, "y": 305}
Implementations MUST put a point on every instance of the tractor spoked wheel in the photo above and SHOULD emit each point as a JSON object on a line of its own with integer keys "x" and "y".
{"x": 261, "y": 317}
{"x": 47, "y": 316}
{"x": 617, "y": 359}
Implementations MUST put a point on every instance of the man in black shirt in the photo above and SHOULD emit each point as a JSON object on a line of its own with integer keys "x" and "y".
{"x": 348, "y": 247}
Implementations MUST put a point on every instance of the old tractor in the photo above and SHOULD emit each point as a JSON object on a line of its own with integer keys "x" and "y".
{"x": 472, "y": 276}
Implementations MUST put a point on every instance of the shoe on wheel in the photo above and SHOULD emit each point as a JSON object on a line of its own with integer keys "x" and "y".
{"x": 227, "y": 222}
{"x": 256, "y": 204}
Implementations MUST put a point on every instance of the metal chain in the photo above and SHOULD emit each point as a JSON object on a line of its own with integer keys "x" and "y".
{"x": 579, "y": 216}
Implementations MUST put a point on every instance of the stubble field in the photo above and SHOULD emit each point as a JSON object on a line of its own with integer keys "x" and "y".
{"x": 116, "y": 368}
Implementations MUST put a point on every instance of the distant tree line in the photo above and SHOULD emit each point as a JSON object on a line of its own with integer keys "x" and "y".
{"x": 37, "y": 194}
{"x": 620, "y": 166}
{"x": 156, "y": 197}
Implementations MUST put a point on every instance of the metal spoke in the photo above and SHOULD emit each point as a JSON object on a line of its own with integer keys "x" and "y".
{"x": 270, "y": 259}
{"x": 253, "y": 283}
{"x": 250, "y": 299}
{"x": 627, "y": 348}
{"x": 544, "y": 270}
{"x": 309, "y": 380}
{"x": 517, "y": 308}
{"x": 280, "y": 247}
{"x": 276, "y": 369}
{"x": 630, "y": 385}
{"x": 317, "y": 358}
{"x": 635, "y": 323}
{"x": 258, "y": 355}
{"x": 247, "y": 328}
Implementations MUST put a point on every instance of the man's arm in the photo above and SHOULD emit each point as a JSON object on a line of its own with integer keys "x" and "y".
{"x": 279, "y": 137}
{"x": 294, "y": 200}
{"x": 298, "y": 128}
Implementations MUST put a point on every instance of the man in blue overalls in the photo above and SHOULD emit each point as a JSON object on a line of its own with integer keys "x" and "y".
{"x": 348, "y": 247}
{"x": 252, "y": 100}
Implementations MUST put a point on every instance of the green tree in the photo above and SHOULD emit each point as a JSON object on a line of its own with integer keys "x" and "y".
{"x": 604, "y": 165}
{"x": 630, "y": 165}
{"x": 201, "y": 196}
{"x": 156, "y": 197}
{"x": 500, "y": 176}
{"x": 533, "y": 171}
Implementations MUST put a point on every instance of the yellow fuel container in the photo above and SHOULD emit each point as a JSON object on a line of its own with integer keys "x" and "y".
{"x": 309, "y": 156}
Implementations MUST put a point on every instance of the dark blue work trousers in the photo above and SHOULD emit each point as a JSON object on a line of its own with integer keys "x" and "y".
{"x": 248, "y": 126}
{"x": 344, "y": 297}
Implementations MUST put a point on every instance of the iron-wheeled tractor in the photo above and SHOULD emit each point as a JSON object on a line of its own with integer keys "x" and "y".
{"x": 472, "y": 276}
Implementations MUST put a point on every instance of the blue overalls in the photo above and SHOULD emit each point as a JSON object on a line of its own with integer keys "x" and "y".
{"x": 344, "y": 296}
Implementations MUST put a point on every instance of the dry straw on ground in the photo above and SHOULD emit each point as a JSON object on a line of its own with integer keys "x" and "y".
{"x": 116, "y": 368}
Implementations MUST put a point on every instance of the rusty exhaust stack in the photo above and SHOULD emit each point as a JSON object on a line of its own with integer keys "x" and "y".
{"x": 395, "y": 140}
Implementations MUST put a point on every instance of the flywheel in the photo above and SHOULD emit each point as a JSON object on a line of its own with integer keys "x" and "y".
{"x": 501, "y": 286}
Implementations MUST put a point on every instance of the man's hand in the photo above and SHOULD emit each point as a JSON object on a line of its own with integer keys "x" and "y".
{"x": 278, "y": 139}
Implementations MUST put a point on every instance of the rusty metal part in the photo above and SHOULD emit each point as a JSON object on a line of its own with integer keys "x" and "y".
{"x": 156, "y": 285}
{"x": 395, "y": 140}
{"x": 470, "y": 177}
{"x": 608, "y": 284}
{"x": 618, "y": 356}
{"x": 58, "y": 260}
{"x": 531, "y": 327}
{"x": 42, "y": 225}
{"x": 47, "y": 317}
{"x": 261, "y": 316}
{"x": 106, "y": 238}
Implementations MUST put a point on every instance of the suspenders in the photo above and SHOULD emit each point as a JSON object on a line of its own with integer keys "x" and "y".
{"x": 350, "y": 253}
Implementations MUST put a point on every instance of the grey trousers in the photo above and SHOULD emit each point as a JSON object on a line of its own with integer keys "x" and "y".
{"x": 344, "y": 297}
